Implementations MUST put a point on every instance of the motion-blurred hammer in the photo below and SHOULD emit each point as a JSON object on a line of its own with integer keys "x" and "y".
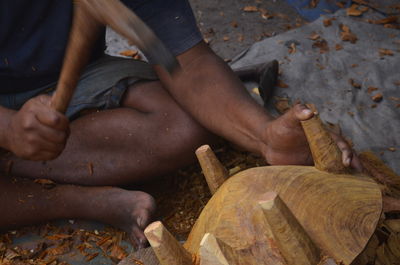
{"x": 89, "y": 16}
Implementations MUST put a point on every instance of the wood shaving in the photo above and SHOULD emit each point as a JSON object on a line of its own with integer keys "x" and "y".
{"x": 129, "y": 53}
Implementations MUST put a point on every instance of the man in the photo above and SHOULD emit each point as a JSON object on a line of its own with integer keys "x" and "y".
{"x": 143, "y": 128}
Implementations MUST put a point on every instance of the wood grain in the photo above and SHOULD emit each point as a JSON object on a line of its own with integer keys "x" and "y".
{"x": 296, "y": 246}
{"x": 326, "y": 154}
{"x": 167, "y": 249}
{"x": 338, "y": 212}
{"x": 214, "y": 172}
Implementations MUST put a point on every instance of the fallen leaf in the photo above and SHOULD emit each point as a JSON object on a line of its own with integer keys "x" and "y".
{"x": 338, "y": 47}
{"x": 240, "y": 37}
{"x": 327, "y": 22}
{"x": 347, "y": 35}
{"x": 322, "y": 45}
{"x": 225, "y": 38}
{"x": 378, "y": 97}
{"x": 392, "y": 149}
{"x": 250, "y": 9}
{"x": 234, "y": 24}
{"x": 356, "y": 10}
{"x": 314, "y": 36}
{"x": 387, "y": 52}
{"x": 354, "y": 84}
{"x": 354, "y": 65}
{"x": 391, "y": 19}
{"x": 292, "y": 48}
{"x": 371, "y": 89}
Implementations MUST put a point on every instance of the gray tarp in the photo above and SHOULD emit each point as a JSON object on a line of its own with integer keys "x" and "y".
{"x": 338, "y": 102}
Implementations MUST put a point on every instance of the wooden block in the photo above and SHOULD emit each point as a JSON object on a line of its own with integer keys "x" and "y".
{"x": 294, "y": 243}
{"x": 214, "y": 252}
{"x": 213, "y": 170}
{"x": 167, "y": 249}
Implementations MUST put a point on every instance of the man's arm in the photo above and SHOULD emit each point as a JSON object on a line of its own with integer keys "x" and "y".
{"x": 209, "y": 90}
{"x": 35, "y": 132}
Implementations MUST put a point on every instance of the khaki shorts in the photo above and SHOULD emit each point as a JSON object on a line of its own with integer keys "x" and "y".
{"x": 102, "y": 85}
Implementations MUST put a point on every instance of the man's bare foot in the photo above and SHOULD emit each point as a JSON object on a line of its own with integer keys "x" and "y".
{"x": 130, "y": 211}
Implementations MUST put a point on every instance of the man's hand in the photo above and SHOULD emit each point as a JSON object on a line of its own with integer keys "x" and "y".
{"x": 36, "y": 131}
{"x": 286, "y": 143}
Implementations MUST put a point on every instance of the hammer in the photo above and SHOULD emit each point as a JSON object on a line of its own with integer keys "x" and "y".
{"x": 89, "y": 16}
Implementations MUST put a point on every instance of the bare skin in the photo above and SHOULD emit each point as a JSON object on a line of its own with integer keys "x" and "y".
{"x": 156, "y": 131}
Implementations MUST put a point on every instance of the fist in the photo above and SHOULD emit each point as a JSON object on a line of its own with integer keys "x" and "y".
{"x": 37, "y": 132}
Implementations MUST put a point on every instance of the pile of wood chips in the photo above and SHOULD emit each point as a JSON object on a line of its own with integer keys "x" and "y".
{"x": 57, "y": 241}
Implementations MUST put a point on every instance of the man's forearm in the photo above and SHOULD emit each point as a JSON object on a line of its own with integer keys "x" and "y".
{"x": 5, "y": 116}
{"x": 209, "y": 90}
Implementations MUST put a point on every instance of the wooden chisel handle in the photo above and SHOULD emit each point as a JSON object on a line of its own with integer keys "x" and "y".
{"x": 84, "y": 32}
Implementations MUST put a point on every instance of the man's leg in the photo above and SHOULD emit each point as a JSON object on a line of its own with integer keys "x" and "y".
{"x": 25, "y": 203}
{"x": 148, "y": 136}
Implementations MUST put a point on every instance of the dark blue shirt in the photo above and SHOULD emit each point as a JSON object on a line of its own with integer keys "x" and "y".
{"x": 34, "y": 34}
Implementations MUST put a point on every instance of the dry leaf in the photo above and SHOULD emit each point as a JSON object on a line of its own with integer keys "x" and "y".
{"x": 314, "y": 36}
{"x": 338, "y": 47}
{"x": 392, "y": 149}
{"x": 250, "y": 9}
{"x": 354, "y": 84}
{"x": 347, "y": 35}
{"x": 292, "y": 48}
{"x": 378, "y": 97}
{"x": 371, "y": 89}
{"x": 225, "y": 38}
{"x": 327, "y": 22}
{"x": 383, "y": 52}
{"x": 391, "y": 19}
{"x": 322, "y": 45}
{"x": 240, "y": 37}
{"x": 234, "y": 24}
{"x": 355, "y": 11}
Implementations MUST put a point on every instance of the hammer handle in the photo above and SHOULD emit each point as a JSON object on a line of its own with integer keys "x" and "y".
{"x": 84, "y": 32}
